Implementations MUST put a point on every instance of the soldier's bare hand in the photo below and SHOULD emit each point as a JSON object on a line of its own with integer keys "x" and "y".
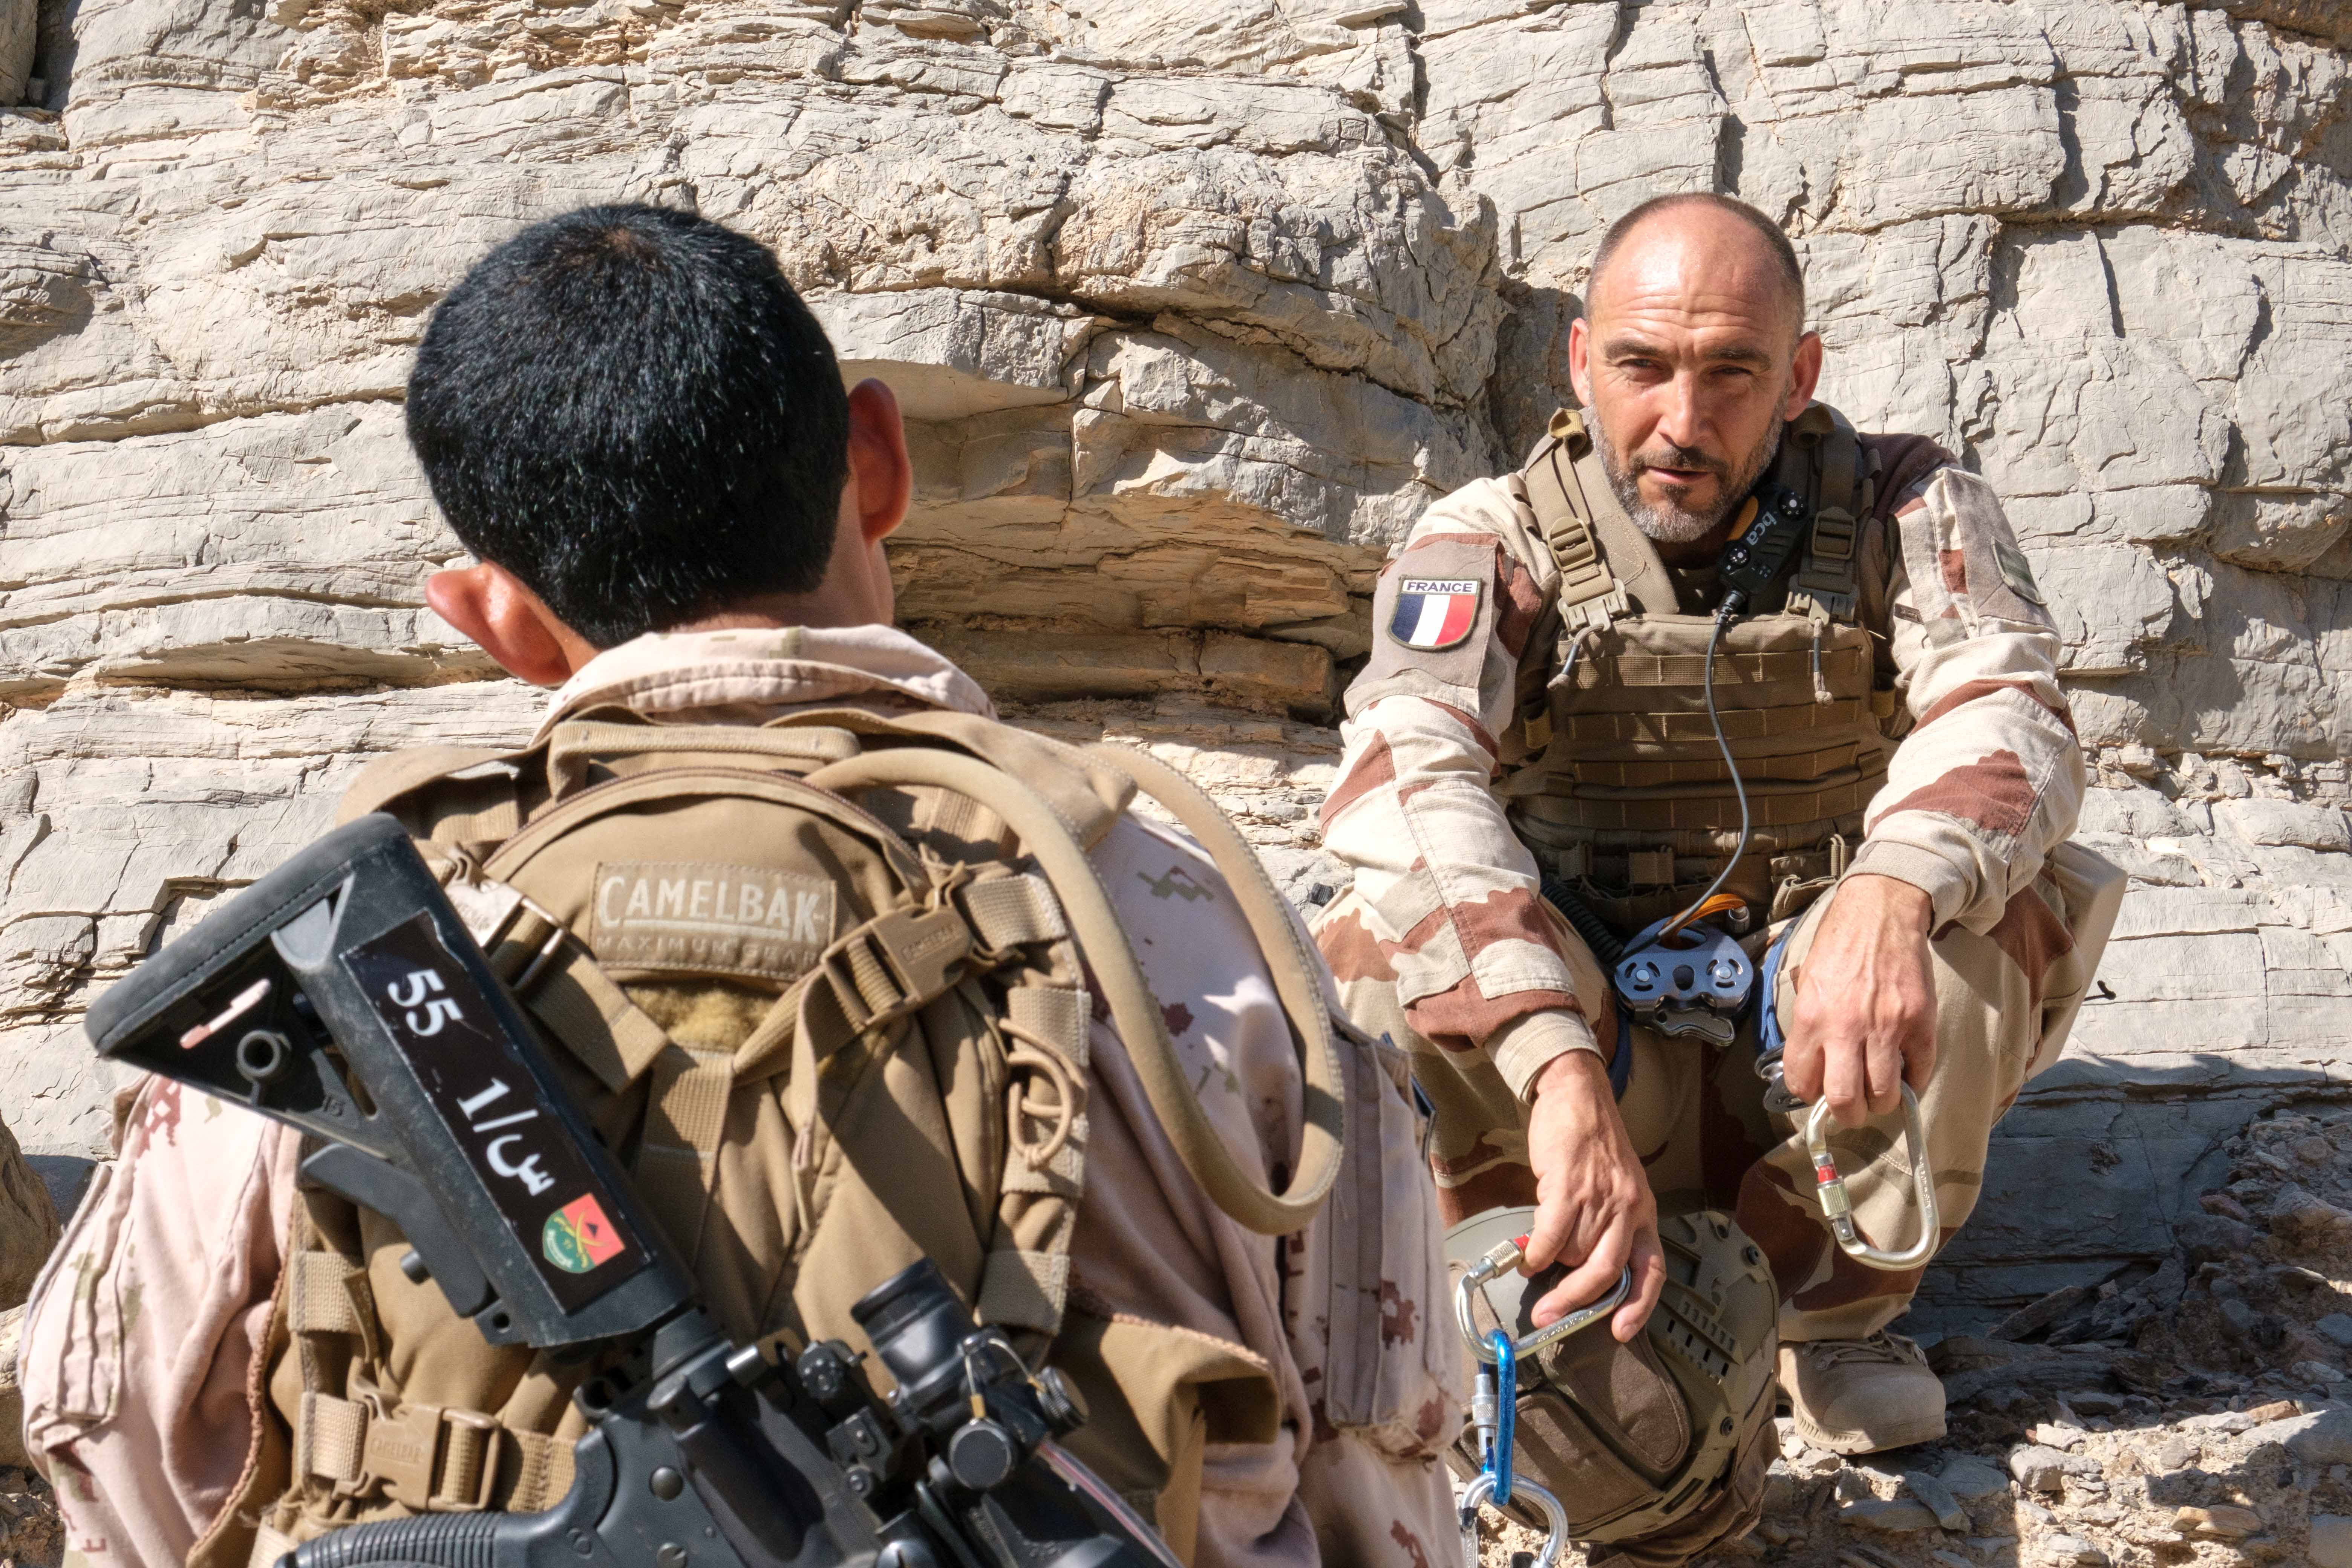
{"x": 1593, "y": 1206}
{"x": 1865, "y": 1019}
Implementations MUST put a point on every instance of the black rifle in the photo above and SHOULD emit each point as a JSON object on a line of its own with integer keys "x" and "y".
{"x": 342, "y": 994}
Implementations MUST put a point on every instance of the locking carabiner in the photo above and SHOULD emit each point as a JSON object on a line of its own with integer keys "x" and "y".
{"x": 1494, "y": 1405}
{"x": 1505, "y": 1257}
{"x": 1495, "y": 1412}
{"x": 1482, "y": 1488}
{"x": 1829, "y": 1190}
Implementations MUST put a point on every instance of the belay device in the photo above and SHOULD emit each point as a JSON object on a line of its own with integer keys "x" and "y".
{"x": 341, "y": 993}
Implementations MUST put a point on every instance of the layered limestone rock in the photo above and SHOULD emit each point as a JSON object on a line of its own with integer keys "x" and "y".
{"x": 1192, "y": 309}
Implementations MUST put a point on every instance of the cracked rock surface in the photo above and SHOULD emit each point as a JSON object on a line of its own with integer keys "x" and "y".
{"x": 1193, "y": 312}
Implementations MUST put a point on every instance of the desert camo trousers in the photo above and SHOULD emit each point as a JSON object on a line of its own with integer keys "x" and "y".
{"x": 1695, "y": 1113}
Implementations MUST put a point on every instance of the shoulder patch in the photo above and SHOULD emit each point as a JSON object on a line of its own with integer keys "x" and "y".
{"x": 2016, "y": 571}
{"x": 1434, "y": 613}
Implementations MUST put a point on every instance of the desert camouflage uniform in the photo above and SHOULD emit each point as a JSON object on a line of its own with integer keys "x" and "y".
{"x": 145, "y": 1341}
{"x": 1444, "y": 942}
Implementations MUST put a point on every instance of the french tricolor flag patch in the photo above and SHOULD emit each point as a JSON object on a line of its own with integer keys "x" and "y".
{"x": 1434, "y": 612}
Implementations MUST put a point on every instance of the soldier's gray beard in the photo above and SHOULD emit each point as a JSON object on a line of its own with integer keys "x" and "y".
{"x": 1670, "y": 524}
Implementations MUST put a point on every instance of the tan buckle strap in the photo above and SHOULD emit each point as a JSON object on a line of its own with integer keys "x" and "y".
{"x": 895, "y": 964}
{"x": 1012, "y": 911}
{"x": 1589, "y": 596}
{"x": 430, "y": 1458}
{"x": 1824, "y": 586}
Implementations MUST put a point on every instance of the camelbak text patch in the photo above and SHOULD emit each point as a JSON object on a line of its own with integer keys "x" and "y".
{"x": 1434, "y": 612}
{"x": 709, "y": 919}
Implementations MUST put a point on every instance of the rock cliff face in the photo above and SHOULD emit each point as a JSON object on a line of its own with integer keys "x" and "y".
{"x": 1193, "y": 309}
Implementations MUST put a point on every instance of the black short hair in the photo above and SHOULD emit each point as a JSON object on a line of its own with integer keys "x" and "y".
{"x": 1793, "y": 275}
{"x": 631, "y": 410}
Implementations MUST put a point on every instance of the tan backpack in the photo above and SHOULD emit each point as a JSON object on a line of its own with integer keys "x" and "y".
{"x": 825, "y": 986}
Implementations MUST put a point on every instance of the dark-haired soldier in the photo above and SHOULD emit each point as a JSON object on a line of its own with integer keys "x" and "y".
{"x": 678, "y": 516}
{"x": 1532, "y": 738}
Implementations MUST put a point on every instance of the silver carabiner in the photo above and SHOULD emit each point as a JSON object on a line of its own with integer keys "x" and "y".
{"x": 1482, "y": 1486}
{"x": 1499, "y": 1261}
{"x": 1829, "y": 1190}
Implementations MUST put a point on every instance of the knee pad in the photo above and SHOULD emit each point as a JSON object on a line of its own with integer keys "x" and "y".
{"x": 1657, "y": 1448}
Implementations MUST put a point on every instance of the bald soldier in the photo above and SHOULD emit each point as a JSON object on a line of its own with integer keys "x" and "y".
{"x": 1532, "y": 772}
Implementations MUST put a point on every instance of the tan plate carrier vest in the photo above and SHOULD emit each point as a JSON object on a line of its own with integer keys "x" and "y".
{"x": 1624, "y": 795}
{"x": 919, "y": 1090}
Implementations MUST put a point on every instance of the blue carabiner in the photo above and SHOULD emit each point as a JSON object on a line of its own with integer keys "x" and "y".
{"x": 1507, "y": 1404}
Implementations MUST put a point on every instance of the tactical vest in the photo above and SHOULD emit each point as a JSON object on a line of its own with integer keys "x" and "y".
{"x": 820, "y": 986}
{"x": 1621, "y": 789}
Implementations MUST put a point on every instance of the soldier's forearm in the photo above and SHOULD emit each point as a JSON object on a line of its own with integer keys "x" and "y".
{"x": 1979, "y": 794}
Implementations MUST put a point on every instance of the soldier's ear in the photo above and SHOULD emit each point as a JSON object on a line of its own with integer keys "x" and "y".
{"x": 1580, "y": 360}
{"x": 1804, "y": 374}
{"x": 509, "y": 622}
{"x": 880, "y": 473}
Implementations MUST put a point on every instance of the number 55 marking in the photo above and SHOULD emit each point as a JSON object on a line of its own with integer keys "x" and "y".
{"x": 438, "y": 1011}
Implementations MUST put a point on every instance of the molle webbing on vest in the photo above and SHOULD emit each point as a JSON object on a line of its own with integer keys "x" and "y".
{"x": 361, "y": 1448}
{"x": 1628, "y": 789}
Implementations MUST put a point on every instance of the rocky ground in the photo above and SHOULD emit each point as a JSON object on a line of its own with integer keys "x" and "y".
{"x": 2193, "y": 1413}
{"x": 31, "y": 1535}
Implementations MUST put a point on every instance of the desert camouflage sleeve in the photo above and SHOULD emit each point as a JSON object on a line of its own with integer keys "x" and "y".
{"x": 1989, "y": 779}
{"x": 1447, "y": 896}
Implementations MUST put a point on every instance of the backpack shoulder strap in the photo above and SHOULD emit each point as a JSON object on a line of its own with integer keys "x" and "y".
{"x": 442, "y": 794}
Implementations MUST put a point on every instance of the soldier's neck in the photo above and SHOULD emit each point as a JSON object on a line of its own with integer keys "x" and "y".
{"x": 1688, "y": 554}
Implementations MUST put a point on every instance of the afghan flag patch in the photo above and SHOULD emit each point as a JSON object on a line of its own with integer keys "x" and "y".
{"x": 577, "y": 1236}
{"x": 1434, "y": 612}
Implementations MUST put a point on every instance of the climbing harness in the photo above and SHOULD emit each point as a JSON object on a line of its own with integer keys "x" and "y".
{"x": 1493, "y": 1406}
{"x": 1770, "y": 1044}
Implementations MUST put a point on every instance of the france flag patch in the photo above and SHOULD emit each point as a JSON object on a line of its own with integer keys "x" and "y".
{"x": 1434, "y": 613}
